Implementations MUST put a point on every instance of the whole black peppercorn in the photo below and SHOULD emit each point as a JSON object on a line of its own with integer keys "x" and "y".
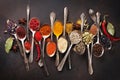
{"x": 97, "y": 50}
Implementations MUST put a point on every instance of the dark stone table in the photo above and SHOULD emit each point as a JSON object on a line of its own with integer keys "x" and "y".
{"x": 105, "y": 68}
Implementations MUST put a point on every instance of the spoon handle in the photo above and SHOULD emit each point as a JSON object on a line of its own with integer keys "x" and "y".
{"x": 90, "y": 69}
{"x": 92, "y": 15}
{"x": 28, "y": 15}
{"x": 69, "y": 61}
{"x": 31, "y": 53}
{"x": 82, "y": 16}
{"x": 52, "y": 19}
{"x": 60, "y": 66}
{"x": 98, "y": 23}
{"x": 65, "y": 18}
{"x": 25, "y": 57}
{"x": 57, "y": 56}
{"x": 43, "y": 56}
{"x": 40, "y": 62}
{"x": 19, "y": 45}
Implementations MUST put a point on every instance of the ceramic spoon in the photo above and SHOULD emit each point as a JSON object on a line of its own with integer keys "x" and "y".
{"x": 21, "y": 31}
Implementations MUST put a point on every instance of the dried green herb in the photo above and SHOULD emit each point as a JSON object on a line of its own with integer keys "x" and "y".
{"x": 8, "y": 44}
{"x": 110, "y": 29}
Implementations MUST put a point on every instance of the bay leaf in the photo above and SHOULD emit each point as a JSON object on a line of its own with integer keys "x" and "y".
{"x": 8, "y": 44}
{"x": 110, "y": 29}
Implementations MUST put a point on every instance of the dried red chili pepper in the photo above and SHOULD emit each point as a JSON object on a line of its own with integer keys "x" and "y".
{"x": 103, "y": 26}
{"x": 38, "y": 51}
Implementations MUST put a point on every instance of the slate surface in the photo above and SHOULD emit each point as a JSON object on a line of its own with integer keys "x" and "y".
{"x": 105, "y": 68}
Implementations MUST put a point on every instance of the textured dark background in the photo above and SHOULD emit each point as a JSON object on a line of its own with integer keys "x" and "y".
{"x": 105, "y": 68}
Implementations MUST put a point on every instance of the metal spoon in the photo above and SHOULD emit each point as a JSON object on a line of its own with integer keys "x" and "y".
{"x": 64, "y": 35}
{"x": 57, "y": 34}
{"x": 98, "y": 40}
{"x": 22, "y": 41}
{"x": 28, "y": 16}
{"x": 43, "y": 52}
{"x": 92, "y": 15}
{"x": 82, "y": 16}
{"x": 52, "y": 19}
{"x": 75, "y": 38}
{"x": 32, "y": 44}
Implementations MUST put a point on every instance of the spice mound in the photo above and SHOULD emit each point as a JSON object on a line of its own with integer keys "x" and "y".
{"x": 93, "y": 29}
{"x": 50, "y": 49}
{"x": 79, "y": 48}
{"x": 75, "y": 37}
{"x": 87, "y": 38}
{"x": 58, "y": 28}
{"x": 20, "y": 31}
{"x": 62, "y": 44}
{"x": 97, "y": 50}
{"x": 45, "y": 30}
{"x": 34, "y": 23}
